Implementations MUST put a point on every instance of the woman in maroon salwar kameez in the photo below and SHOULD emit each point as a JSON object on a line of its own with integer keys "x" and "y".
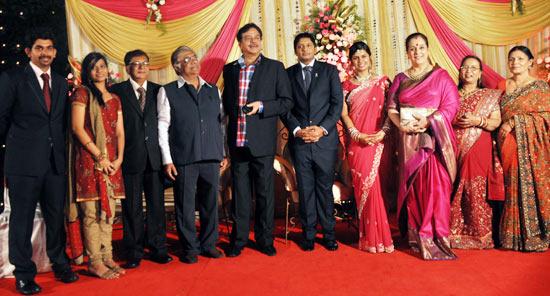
{"x": 479, "y": 170}
{"x": 422, "y": 102}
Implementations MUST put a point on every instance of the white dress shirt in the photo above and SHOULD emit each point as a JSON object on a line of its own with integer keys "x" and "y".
{"x": 38, "y": 72}
{"x": 163, "y": 109}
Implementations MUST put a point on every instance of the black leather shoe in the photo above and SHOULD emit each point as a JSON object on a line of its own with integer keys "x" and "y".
{"x": 189, "y": 259}
{"x": 27, "y": 287}
{"x": 161, "y": 259}
{"x": 212, "y": 253}
{"x": 331, "y": 245}
{"x": 67, "y": 276}
{"x": 132, "y": 263}
{"x": 269, "y": 250}
{"x": 233, "y": 251}
{"x": 308, "y": 245}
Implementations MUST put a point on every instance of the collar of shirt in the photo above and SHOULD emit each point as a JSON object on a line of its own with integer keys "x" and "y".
{"x": 182, "y": 82}
{"x": 310, "y": 64}
{"x": 38, "y": 72}
{"x": 242, "y": 64}
{"x": 135, "y": 85}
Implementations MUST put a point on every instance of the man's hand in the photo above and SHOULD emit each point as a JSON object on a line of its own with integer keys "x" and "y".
{"x": 170, "y": 171}
{"x": 255, "y": 107}
{"x": 310, "y": 134}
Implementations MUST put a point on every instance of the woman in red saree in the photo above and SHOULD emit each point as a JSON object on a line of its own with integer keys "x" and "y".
{"x": 479, "y": 170}
{"x": 364, "y": 117}
{"x": 96, "y": 121}
{"x": 525, "y": 151}
{"x": 422, "y": 102}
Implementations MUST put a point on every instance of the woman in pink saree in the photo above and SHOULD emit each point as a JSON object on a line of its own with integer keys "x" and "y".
{"x": 422, "y": 103}
{"x": 480, "y": 177}
{"x": 364, "y": 117}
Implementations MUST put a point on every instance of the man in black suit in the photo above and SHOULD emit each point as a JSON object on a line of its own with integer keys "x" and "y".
{"x": 141, "y": 168}
{"x": 191, "y": 142}
{"x": 256, "y": 93}
{"x": 317, "y": 96}
{"x": 33, "y": 122}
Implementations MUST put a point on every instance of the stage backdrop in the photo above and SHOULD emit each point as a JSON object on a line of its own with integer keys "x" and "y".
{"x": 487, "y": 28}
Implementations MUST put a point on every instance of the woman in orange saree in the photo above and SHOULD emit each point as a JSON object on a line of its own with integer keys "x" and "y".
{"x": 525, "y": 151}
{"x": 479, "y": 170}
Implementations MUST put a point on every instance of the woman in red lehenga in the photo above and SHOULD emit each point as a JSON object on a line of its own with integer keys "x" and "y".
{"x": 479, "y": 170}
{"x": 96, "y": 121}
{"x": 364, "y": 116}
{"x": 525, "y": 152}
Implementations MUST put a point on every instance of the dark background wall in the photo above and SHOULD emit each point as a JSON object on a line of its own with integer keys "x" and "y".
{"x": 17, "y": 16}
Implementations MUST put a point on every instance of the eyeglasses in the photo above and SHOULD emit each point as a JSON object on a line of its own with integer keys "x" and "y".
{"x": 189, "y": 59}
{"x": 471, "y": 68}
{"x": 139, "y": 64}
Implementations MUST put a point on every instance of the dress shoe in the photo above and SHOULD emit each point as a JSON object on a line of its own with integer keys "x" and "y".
{"x": 67, "y": 276}
{"x": 132, "y": 263}
{"x": 189, "y": 259}
{"x": 212, "y": 253}
{"x": 161, "y": 259}
{"x": 308, "y": 245}
{"x": 233, "y": 251}
{"x": 27, "y": 287}
{"x": 269, "y": 250}
{"x": 331, "y": 245}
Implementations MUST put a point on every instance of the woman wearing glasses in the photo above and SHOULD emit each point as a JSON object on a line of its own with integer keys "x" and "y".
{"x": 479, "y": 177}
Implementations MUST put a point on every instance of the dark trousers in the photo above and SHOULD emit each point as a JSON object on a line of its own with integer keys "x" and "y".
{"x": 248, "y": 171}
{"x": 315, "y": 177}
{"x": 25, "y": 192}
{"x": 154, "y": 234}
{"x": 198, "y": 180}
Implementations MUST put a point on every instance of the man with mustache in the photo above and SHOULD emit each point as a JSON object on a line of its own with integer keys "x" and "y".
{"x": 33, "y": 124}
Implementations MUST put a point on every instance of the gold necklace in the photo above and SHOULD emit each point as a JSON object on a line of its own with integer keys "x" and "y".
{"x": 418, "y": 76}
{"x": 465, "y": 94}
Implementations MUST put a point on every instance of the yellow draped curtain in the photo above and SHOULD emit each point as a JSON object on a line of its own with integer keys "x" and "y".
{"x": 115, "y": 34}
{"x": 492, "y": 23}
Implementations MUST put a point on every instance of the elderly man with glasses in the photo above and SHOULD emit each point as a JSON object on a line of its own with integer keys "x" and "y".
{"x": 191, "y": 142}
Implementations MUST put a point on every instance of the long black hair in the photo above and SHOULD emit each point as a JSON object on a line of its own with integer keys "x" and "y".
{"x": 479, "y": 82}
{"x": 88, "y": 64}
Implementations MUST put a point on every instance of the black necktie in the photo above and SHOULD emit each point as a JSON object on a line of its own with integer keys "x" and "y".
{"x": 307, "y": 77}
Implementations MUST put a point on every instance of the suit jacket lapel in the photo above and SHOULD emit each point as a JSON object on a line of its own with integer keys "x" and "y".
{"x": 149, "y": 98}
{"x": 131, "y": 97}
{"x": 314, "y": 76}
{"x": 56, "y": 95}
{"x": 300, "y": 80}
{"x": 35, "y": 87}
{"x": 257, "y": 73}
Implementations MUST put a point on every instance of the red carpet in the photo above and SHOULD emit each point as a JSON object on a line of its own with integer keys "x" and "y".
{"x": 347, "y": 271}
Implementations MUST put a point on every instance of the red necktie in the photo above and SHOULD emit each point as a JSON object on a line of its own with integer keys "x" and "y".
{"x": 46, "y": 90}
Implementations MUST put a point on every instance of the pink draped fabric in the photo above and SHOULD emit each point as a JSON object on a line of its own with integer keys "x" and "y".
{"x": 427, "y": 161}
{"x": 173, "y": 9}
{"x": 213, "y": 61}
{"x": 366, "y": 110}
{"x": 454, "y": 46}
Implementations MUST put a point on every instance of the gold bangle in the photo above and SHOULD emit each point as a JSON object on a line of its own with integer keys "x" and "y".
{"x": 99, "y": 157}
{"x": 86, "y": 145}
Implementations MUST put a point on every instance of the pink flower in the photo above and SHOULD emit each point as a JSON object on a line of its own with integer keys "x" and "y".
{"x": 327, "y": 8}
{"x": 317, "y": 20}
{"x": 306, "y": 17}
{"x": 333, "y": 27}
{"x": 325, "y": 18}
{"x": 547, "y": 59}
{"x": 324, "y": 32}
{"x": 321, "y": 14}
{"x": 539, "y": 61}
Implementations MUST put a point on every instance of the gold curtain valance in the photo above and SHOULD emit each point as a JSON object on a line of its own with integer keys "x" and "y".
{"x": 115, "y": 34}
{"x": 492, "y": 23}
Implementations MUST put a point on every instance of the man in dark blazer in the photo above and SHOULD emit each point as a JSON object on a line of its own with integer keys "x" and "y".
{"x": 317, "y": 96}
{"x": 141, "y": 168}
{"x": 191, "y": 142}
{"x": 256, "y": 93}
{"x": 33, "y": 123}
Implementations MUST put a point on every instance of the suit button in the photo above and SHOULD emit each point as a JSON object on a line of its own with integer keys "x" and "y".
{"x": 146, "y": 138}
{"x": 145, "y": 124}
{"x": 50, "y": 139}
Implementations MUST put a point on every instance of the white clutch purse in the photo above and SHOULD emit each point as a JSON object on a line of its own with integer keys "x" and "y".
{"x": 407, "y": 114}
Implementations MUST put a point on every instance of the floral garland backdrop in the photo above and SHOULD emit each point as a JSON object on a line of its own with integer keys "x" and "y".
{"x": 335, "y": 26}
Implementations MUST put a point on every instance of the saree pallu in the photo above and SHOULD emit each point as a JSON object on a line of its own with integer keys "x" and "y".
{"x": 366, "y": 110}
{"x": 525, "y": 153}
{"x": 480, "y": 176}
{"x": 427, "y": 161}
